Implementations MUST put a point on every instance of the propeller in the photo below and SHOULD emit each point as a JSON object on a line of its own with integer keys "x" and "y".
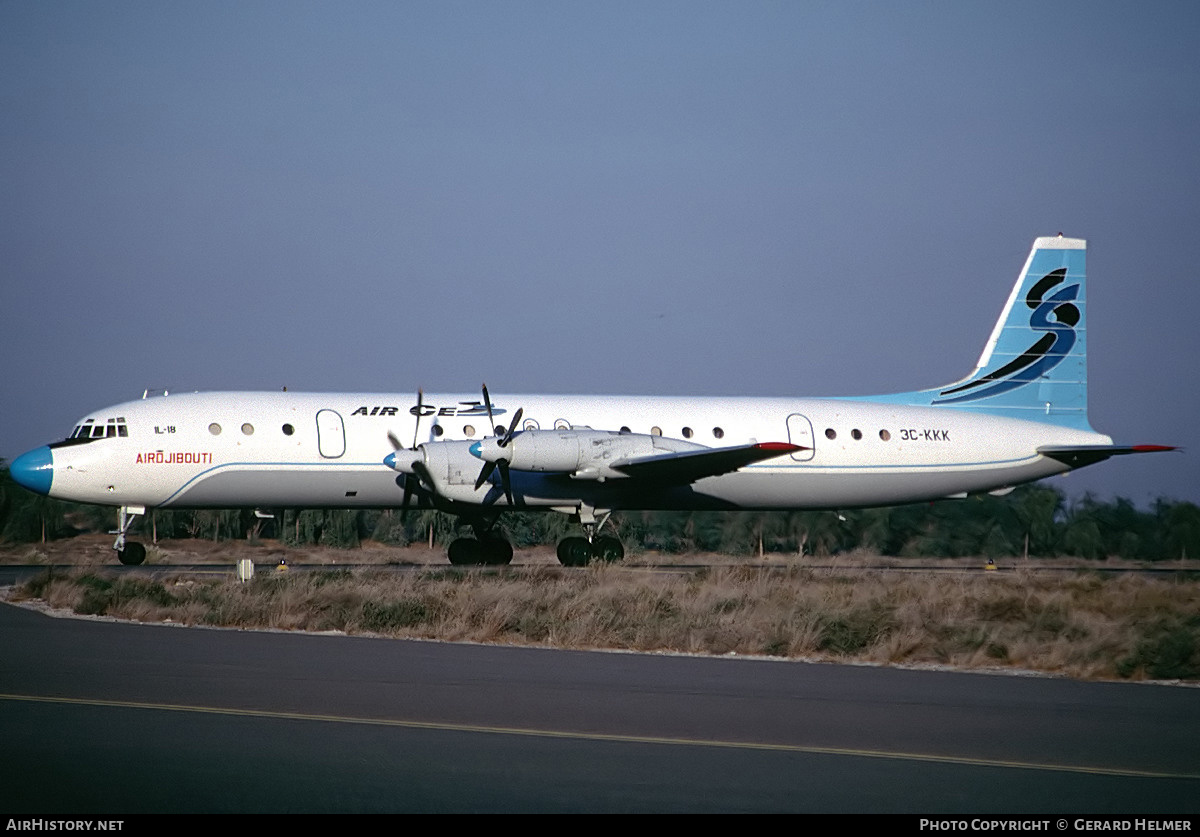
{"x": 397, "y": 445}
{"x": 409, "y": 461}
{"x": 502, "y": 442}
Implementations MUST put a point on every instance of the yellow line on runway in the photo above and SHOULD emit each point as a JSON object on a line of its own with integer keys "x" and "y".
{"x": 615, "y": 738}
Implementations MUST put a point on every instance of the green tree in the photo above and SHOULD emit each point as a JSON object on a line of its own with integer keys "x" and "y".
{"x": 1037, "y": 510}
{"x": 1180, "y": 524}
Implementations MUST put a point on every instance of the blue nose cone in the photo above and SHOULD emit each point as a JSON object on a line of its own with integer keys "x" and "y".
{"x": 34, "y": 470}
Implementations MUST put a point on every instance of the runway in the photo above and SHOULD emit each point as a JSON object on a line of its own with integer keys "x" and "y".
{"x": 107, "y": 718}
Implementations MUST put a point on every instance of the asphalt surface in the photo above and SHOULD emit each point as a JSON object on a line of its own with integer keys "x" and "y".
{"x": 103, "y": 718}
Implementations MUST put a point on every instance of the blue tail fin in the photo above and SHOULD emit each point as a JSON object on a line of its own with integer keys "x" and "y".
{"x": 1034, "y": 365}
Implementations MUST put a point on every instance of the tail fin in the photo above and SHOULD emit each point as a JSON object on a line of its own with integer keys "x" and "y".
{"x": 1034, "y": 365}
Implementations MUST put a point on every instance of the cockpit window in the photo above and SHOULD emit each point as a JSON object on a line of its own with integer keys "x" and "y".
{"x": 91, "y": 430}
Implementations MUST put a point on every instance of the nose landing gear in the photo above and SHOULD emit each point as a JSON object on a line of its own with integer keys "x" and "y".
{"x": 131, "y": 553}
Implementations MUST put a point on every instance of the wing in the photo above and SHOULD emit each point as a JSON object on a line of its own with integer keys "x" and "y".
{"x": 581, "y": 453}
{"x": 689, "y": 466}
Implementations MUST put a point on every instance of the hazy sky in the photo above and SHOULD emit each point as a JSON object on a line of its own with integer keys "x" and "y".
{"x": 740, "y": 198}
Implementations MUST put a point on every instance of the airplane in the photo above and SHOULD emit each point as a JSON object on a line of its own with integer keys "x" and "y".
{"x": 1020, "y": 415}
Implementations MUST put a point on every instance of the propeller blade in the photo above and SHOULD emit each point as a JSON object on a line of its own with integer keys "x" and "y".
{"x": 505, "y": 480}
{"x": 423, "y": 474}
{"x": 488, "y": 467}
{"x": 408, "y": 492}
{"x": 419, "y": 480}
{"x": 488, "y": 403}
{"x": 394, "y": 441}
{"x": 417, "y": 424}
{"x": 512, "y": 428}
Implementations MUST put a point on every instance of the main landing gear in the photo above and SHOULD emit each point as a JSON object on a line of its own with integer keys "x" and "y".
{"x": 484, "y": 550}
{"x": 131, "y": 553}
{"x": 579, "y": 552}
{"x": 491, "y": 551}
{"x": 487, "y": 551}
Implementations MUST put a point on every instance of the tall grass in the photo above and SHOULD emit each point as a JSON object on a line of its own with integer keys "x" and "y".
{"x": 1083, "y": 625}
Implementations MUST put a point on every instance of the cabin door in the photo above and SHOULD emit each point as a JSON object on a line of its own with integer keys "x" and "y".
{"x": 331, "y": 435}
{"x": 800, "y": 433}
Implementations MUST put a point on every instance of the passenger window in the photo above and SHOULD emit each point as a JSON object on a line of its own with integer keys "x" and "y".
{"x": 655, "y": 431}
{"x": 214, "y": 429}
{"x": 883, "y": 434}
{"x": 830, "y": 433}
{"x": 856, "y": 434}
{"x": 718, "y": 433}
{"x": 248, "y": 429}
{"x": 687, "y": 432}
{"x": 288, "y": 430}
{"x": 468, "y": 430}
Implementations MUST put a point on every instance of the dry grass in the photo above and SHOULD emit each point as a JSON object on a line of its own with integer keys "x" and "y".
{"x": 95, "y": 550}
{"x": 1081, "y": 625}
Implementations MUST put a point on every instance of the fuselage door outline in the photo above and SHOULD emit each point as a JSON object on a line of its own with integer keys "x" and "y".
{"x": 800, "y": 433}
{"x": 331, "y": 434}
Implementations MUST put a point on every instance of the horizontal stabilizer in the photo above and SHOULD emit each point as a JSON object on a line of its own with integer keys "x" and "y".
{"x": 689, "y": 466}
{"x": 1077, "y": 457}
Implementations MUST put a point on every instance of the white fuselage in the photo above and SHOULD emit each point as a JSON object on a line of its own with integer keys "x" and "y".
{"x": 281, "y": 449}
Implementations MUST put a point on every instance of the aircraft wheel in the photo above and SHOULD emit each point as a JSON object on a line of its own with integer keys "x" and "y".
{"x": 465, "y": 552}
{"x": 607, "y": 548}
{"x": 133, "y": 553}
{"x": 496, "y": 551}
{"x": 574, "y": 552}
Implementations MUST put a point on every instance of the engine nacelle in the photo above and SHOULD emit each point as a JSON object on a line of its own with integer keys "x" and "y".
{"x": 583, "y": 453}
{"x": 450, "y": 463}
{"x": 448, "y": 469}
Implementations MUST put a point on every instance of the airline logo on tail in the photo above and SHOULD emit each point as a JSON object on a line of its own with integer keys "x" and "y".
{"x": 1039, "y": 359}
